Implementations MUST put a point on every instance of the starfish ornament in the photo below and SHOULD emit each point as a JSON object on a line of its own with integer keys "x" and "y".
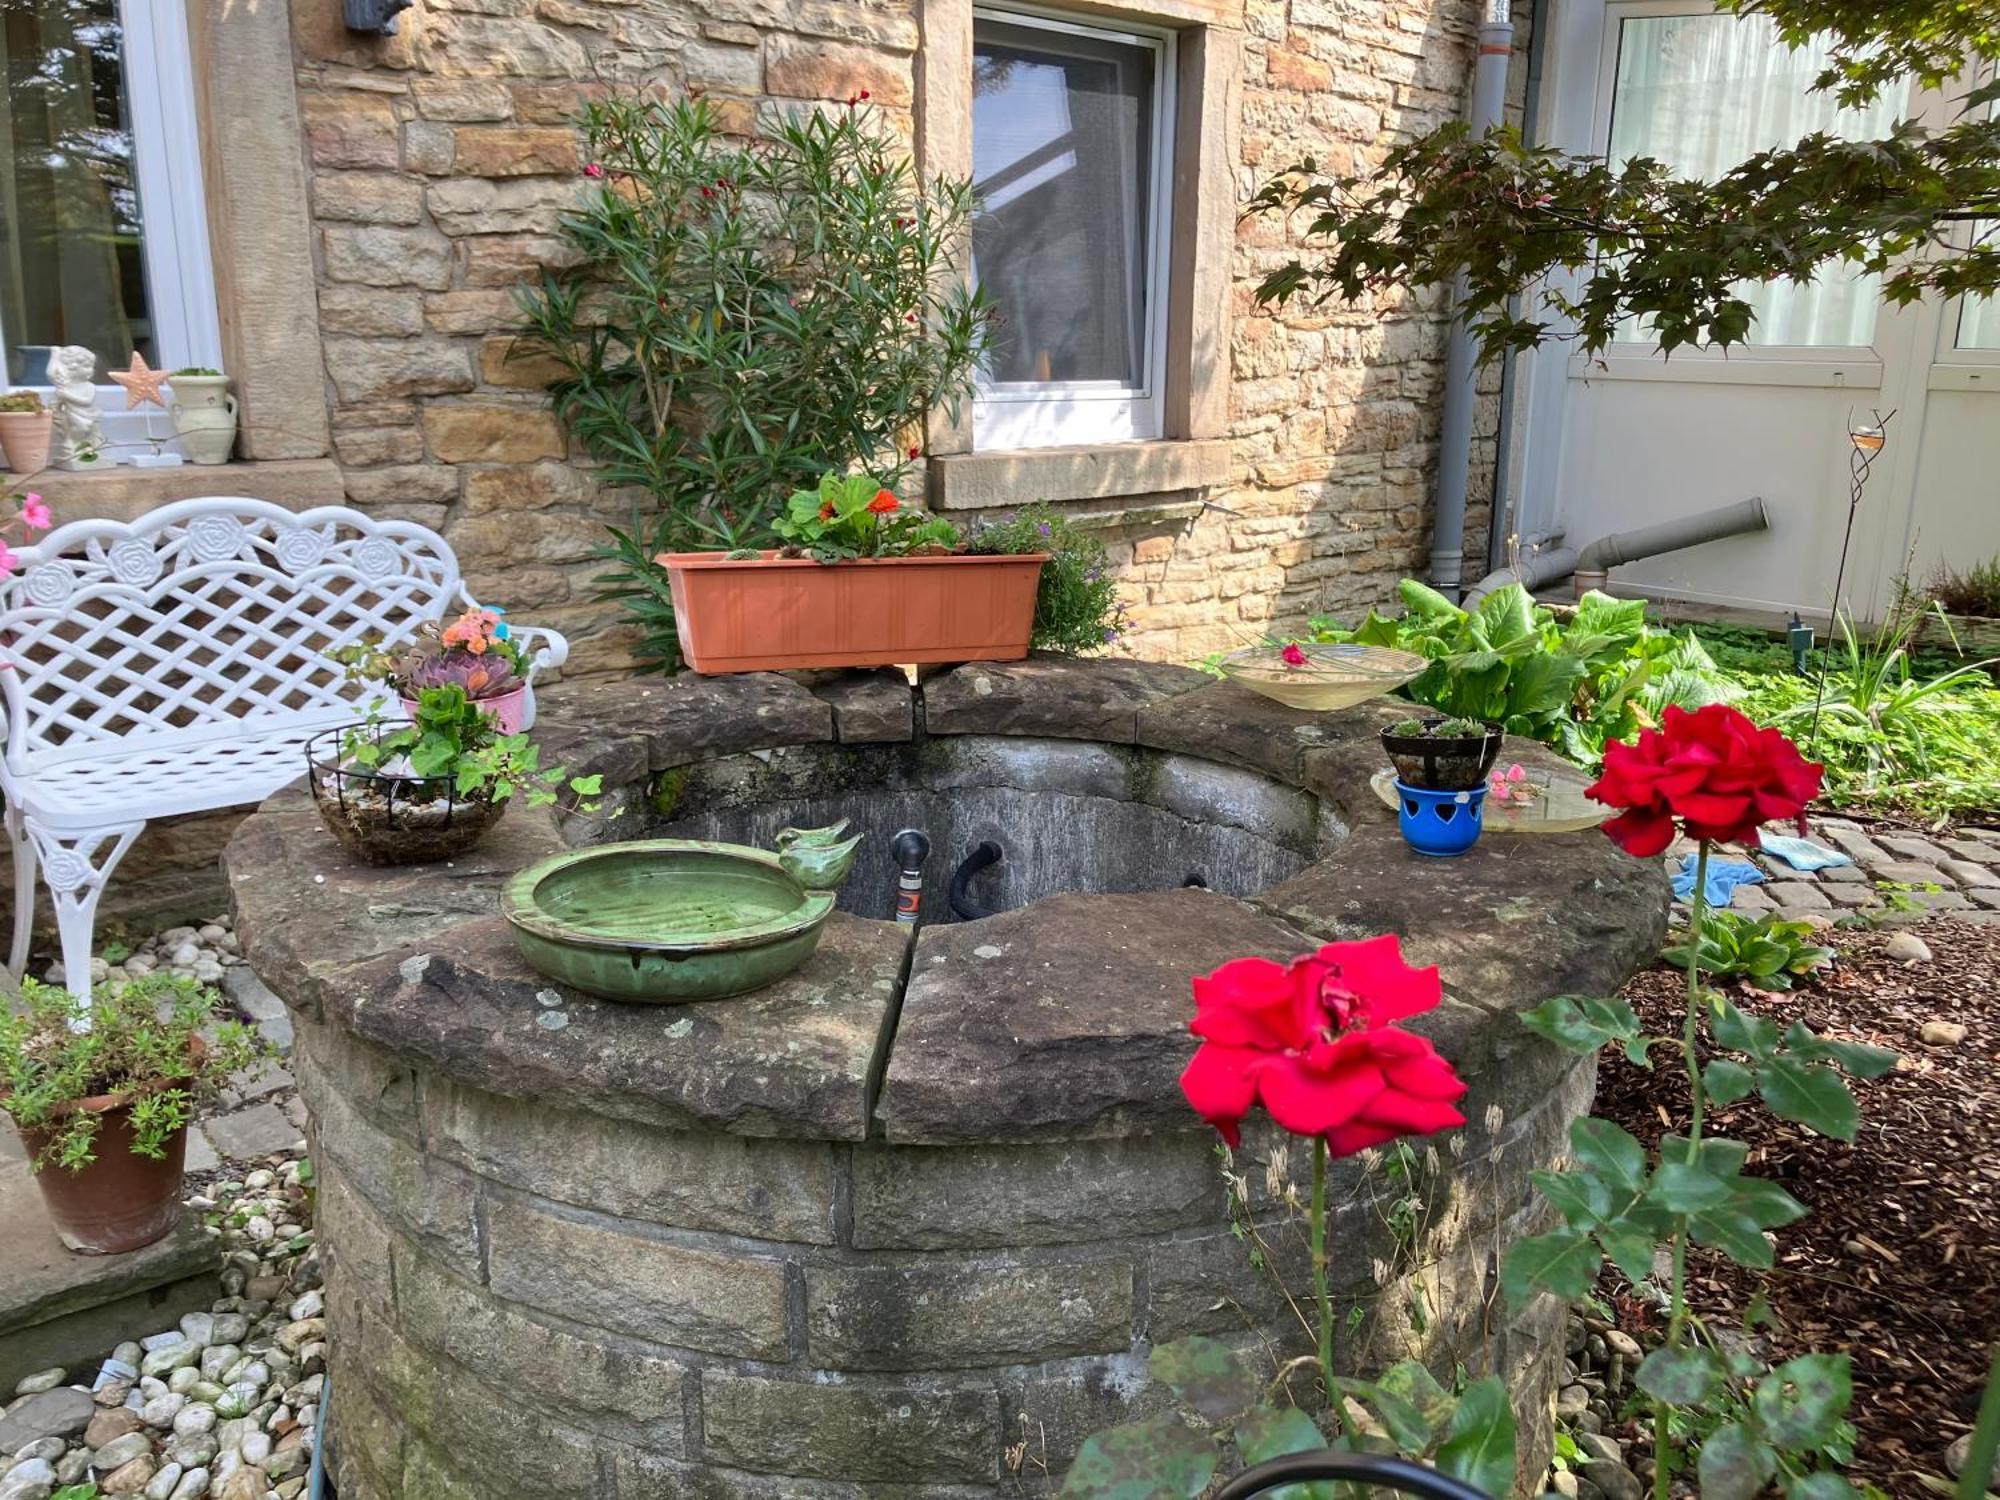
{"x": 141, "y": 383}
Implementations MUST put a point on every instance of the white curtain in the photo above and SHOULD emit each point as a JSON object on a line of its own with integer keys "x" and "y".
{"x": 1701, "y": 93}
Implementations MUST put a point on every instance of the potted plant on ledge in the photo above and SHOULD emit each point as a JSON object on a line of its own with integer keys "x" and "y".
{"x": 102, "y": 1095}
{"x": 25, "y": 427}
{"x": 399, "y": 792}
{"x": 475, "y": 652}
{"x": 861, "y": 582}
{"x": 1441, "y": 765}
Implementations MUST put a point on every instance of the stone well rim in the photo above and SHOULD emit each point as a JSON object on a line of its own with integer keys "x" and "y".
{"x": 865, "y": 1041}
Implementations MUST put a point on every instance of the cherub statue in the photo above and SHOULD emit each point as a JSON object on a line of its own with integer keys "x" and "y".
{"x": 77, "y": 441}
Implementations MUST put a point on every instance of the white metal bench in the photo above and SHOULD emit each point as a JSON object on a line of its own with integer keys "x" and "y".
{"x": 178, "y": 664}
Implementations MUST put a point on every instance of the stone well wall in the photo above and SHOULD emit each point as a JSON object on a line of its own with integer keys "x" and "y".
{"x": 907, "y": 1222}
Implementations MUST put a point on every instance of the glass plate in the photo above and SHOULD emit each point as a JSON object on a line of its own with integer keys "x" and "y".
{"x": 1561, "y": 806}
{"x": 1332, "y": 677}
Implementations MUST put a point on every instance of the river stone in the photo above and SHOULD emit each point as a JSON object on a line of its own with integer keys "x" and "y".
{"x": 193, "y": 1419}
{"x": 1053, "y": 697}
{"x": 183, "y": 1380}
{"x": 106, "y": 1425}
{"x": 120, "y": 1451}
{"x": 165, "y": 1361}
{"x": 129, "y": 1478}
{"x": 231, "y": 1328}
{"x": 194, "y": 1483}
{"x": 50, "y": 1448}
{"x": 60, "y": 1412}
{"x": 194, "y": 1451}
{"x": 41, "y": 1380}
{"x": 995, "y": 1051}
{"x": 217, "y": 1358}
{"x": 32, "y": 1480}
{"x": 163, "y": 1483}
{"x": 1959, "y": 1454}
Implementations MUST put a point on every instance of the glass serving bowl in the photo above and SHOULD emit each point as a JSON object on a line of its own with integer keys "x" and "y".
{"x": 1545, "y": 800}
{"x": 1332, "y": 677}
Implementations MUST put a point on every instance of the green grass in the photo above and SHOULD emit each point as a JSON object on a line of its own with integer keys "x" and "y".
{"x": 1891, "y": 741}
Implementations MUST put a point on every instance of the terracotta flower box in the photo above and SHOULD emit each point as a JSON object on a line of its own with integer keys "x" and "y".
{"x": 769, "y": 612}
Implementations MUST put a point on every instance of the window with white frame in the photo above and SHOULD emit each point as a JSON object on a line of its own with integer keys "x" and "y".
{"x": 1701, "y": 90}
{"x": 103, "y": 227}
{"x": 1072, "y": 129}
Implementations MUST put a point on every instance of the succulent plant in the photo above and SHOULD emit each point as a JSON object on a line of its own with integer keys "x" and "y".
{"x": 486, "y": 675}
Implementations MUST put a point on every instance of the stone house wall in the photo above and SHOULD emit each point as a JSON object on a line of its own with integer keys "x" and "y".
{"x": 440, "y": 160}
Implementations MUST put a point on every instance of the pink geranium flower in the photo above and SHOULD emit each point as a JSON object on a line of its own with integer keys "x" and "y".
{"x": 8, "y": 561}
{"x": 35, "y": 514}
{"x": 593, "y": 171}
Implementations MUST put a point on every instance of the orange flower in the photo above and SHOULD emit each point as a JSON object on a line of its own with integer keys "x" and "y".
{"x": 826, "y": 511}
{"x": 884, "y": 503}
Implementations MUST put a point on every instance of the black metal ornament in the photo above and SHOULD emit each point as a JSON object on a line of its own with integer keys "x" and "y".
{"x": 376, "y": 17}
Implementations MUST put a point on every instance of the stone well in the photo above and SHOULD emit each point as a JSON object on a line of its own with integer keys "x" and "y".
{"x": 906, "y": 1223}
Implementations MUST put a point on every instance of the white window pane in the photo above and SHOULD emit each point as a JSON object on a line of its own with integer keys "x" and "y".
{"x": 72, "y": 269}
{"x": 1062, "y": 154}
{"x": 1700, "y": 93}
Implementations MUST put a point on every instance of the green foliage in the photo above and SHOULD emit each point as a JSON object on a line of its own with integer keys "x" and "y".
{"x": 1906, "y": 727}
{"x": 1768, "y": 951}
{"x": 198, "y": 371}
{"x": 141, "y": 1048}
{"x": 848, "y": 516}
{"x": 1077, "y": 610}
{"x": 1794, "y": 1073}
{"x": 744, "y": 317}
{"x": 21, "y": 401}
{"x": 452, "y": 739}
{"x": 1515, "y": 220}
{"x": 1174, "y": 1456}
{"x": 1575, "y": 685}
{"x": 1975, "y": 591}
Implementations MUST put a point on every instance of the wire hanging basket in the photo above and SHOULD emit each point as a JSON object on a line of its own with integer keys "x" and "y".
{"x": 385, "y": 817}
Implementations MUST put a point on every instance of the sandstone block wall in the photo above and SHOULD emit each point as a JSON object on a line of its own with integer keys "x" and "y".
{"x": 441, "y": 160}
{"x": 539, "y": 1302}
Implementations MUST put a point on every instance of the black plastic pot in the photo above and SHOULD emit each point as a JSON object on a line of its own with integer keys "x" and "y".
{"x": 1456, "y": 763}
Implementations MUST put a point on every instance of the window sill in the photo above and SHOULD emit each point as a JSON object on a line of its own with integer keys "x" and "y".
{"x": 1020, "y": 476}
{"x": 125, "y": 493}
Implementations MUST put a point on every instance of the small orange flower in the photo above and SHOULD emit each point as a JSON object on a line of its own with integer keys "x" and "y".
{"x": 826, "y": 511}
{"x": 884, "y": 503}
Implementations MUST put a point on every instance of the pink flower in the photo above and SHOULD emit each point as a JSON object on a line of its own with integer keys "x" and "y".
{"x": 35, "y": 513}
{"x": 593, "y": 171}
{"x": 8, "y": 561}
{"x": 1294, "y": 656}
{"x": 1506, "y": 786}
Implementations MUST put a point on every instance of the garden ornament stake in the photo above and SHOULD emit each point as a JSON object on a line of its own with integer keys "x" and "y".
{"x": 1865, "y": 443}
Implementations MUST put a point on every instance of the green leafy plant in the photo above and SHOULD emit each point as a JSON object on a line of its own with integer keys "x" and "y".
{"x": 1553, "y": 246}
{"x": 1768, "y": 951}
{"x": 451, "y": 739}
{"x": 198, "y": 370}
{"x": 849, "y": 516}
{"x": 1974, "y": 591}
{"x": 1575, "y": 685}
{"x": 1228, "y": 1410}
{"x": 745, "y": 316}
{"x": 157, "y": 1044}
{"x": 21, "y": 401}
{"x": 1077, "y": 609}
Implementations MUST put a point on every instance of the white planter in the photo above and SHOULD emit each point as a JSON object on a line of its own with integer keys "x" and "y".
{"x": 204, "y": 417}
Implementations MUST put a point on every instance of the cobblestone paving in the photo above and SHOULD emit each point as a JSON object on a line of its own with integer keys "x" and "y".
{"x": 1894, "y": 877}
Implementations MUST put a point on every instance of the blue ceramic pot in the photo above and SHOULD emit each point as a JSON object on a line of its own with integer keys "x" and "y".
{"x": 1440, "y": 823}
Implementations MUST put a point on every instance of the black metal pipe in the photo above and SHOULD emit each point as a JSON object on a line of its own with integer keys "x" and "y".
{"x": 1363, "y": 1468}
{"x": 962, "y": 905}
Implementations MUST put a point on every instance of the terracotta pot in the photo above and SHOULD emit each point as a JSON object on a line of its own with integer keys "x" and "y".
{"x": 768, "y": 613}
{"x": 121, "y": 1200}
{"x": 508, "y": 709}
{"x": 24, "y": 437}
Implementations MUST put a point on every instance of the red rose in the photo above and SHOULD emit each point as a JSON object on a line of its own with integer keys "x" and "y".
{"x": 883, "y": 503}
{"x": 1714, "y": 771}
{"x": 1294, "y": 655}
{"x": 1313, "y": 1041}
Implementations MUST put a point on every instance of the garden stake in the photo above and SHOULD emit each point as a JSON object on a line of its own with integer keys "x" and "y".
{"x": 1864, "y": 444}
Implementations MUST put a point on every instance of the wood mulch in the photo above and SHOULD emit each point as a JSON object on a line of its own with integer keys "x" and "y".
{"x": 1897, "y": 1262}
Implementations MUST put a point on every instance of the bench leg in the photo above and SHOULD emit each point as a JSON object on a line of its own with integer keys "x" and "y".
{"x": 75, "y": 871}
{"x": 24, "y": 891}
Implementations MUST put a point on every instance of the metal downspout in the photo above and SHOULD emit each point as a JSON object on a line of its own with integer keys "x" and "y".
{"x": 1502, "y": 526}
{"x": 1489, "y": 98}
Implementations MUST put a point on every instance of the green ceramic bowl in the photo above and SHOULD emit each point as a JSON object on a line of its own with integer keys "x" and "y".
{"x": 664, "y": 920}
